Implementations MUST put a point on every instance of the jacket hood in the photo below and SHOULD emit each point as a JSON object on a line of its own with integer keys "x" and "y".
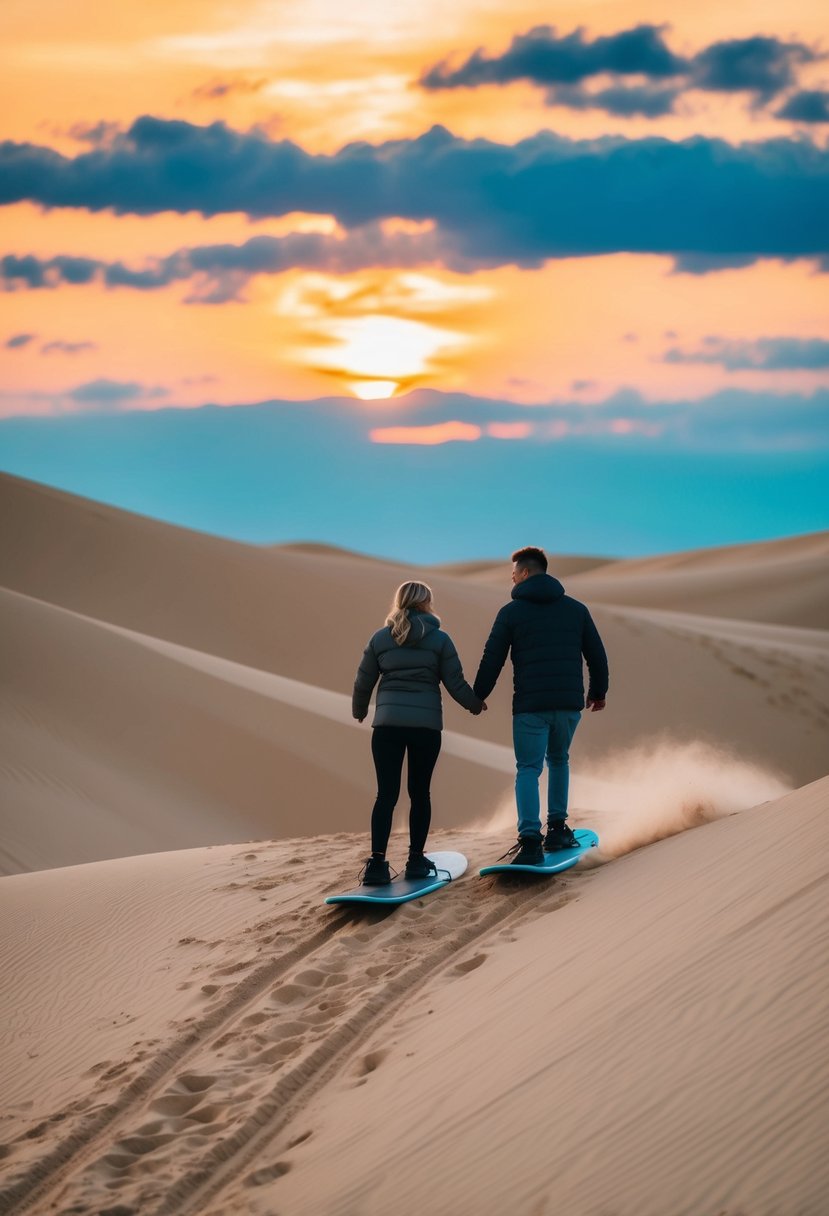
{"x": 422, "y": 624}
{"x": 539, "y": 589}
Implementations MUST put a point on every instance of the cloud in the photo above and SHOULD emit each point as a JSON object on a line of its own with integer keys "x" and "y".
{"x": 808, "y": 105}
{"x": 710, "y": 263}
{"x": 764, "y": 66}
{"x": 541, "y": 56}
{"x": 760, "y": 65}
{"x": 220, "y": 272}
{"x": 730, "y": 422}
{"x": 66, "y": 348}
{"x": 441, "y": 432}
{"x": 100, "y": 134}
{"x": 762, "y": 354}
{"x": 17, "y": 341}
{"x": 105, "y": 394}
{"x": 647, "y": 101}
{"x": 491, "y": 204}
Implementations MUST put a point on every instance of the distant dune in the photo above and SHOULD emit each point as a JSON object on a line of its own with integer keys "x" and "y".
{"x": 785, "y": 582}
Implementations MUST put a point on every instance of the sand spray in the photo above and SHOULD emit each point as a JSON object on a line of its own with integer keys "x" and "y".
{"x": 641, "y": 794}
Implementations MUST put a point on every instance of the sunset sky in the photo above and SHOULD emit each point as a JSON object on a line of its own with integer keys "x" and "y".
{"x": 473, "y": 249}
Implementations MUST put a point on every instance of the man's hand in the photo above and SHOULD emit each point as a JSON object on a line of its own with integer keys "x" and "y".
{"x": 594, "y": 706}
{"x": 361, "y": 719}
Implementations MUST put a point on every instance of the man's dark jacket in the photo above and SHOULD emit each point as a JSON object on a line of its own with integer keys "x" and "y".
{"x": 548, "y": 634}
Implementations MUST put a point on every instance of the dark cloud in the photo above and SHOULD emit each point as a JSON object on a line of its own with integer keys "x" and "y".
{"x": 542, "y": 57}
{"x": 493, "y": 204}
{"x": 106, "y": 394}
{"x": 765, "y": 66}
{"x": 220, "y": 272}
{"x": 19, "y": 340}
{"x": 649, "y": 101}
{"x": 709, "y": 263}
{"x": 762, "y": 354}
{"x": 759, "y": 65}
{"x": 809, "y": 105}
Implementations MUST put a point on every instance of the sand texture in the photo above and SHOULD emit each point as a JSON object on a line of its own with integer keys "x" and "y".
{"x": 186, "y": 1029}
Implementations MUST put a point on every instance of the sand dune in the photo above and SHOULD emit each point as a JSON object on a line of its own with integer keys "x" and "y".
{"x": 220, "y": 711}
{"x": 785, "y": 582}
{"x": 493, "y": 571}
{"x": 115, "y": 742}
{"x": 224, "y": 1043}
{"x": 190, "y": 1031}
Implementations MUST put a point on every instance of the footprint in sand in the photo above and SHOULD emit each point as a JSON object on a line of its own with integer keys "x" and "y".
{"x": 195, "y": 1083}
{"x": 371, "y": 1062}
{"x": 267, "y": 1174}
{"x": 175, "y": 1104}
{"x": 470, "y": 964}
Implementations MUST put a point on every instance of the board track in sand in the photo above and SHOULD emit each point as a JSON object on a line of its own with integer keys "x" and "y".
{"x": 230, "y": 1087}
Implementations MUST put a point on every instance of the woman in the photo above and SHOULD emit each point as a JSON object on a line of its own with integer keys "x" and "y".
{"x": 411, "y": 656}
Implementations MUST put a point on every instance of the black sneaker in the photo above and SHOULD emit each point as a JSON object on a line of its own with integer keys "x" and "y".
{"x": 419, "y": 866}
{"x": 376, "y": 872}
{"x": 559, "y": 836}
{"x": 528, "y": 852}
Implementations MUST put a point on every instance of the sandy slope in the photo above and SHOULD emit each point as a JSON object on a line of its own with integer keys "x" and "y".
{"x": 220, "y": 710}
{"x": 645, "y": 1037}
{"x": 115, "y": 742}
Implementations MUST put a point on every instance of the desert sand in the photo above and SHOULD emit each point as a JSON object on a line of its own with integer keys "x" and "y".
{"x": 185, "y": 1027}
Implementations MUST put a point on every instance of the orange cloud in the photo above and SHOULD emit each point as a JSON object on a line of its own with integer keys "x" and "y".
{"x": 441, "y": 432}
{"x": 509, "y": 430}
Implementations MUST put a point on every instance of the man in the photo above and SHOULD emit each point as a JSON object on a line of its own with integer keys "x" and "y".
{"x": 548, "y": 634}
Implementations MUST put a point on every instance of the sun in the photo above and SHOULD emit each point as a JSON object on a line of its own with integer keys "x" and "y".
{"x": 374, "y": 390}
{"x": 381, "y": 334}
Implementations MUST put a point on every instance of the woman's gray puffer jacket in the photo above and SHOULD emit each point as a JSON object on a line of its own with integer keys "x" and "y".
{"x": 410, "y": 676}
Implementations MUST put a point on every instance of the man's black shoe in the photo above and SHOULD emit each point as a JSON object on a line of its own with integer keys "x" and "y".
{"x": 559, "y": 836}
{"x": 529, "y": 852}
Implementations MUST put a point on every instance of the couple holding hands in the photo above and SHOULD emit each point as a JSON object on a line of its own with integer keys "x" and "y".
{"x": 548, "y": 635}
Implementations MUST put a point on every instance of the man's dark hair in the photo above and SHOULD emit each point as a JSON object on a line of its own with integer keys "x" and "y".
{"x": 530, "y": 559}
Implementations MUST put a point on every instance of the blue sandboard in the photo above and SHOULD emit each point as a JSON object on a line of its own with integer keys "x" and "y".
{"x": 450, "y": 866}
{"x": 553, "y": 863}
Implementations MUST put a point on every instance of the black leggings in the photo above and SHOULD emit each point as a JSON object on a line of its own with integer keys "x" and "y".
{"x": 389, "y": 745}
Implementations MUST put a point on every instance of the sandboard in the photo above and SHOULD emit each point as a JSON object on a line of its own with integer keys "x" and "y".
{"x": 553, "y": 863}
{"x": 450, "y": 866}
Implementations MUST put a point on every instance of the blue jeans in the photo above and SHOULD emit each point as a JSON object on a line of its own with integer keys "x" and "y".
{"x": 538, "y": 737}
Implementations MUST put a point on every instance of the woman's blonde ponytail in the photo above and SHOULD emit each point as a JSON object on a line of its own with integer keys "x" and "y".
{"x": 408, "y": 595}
